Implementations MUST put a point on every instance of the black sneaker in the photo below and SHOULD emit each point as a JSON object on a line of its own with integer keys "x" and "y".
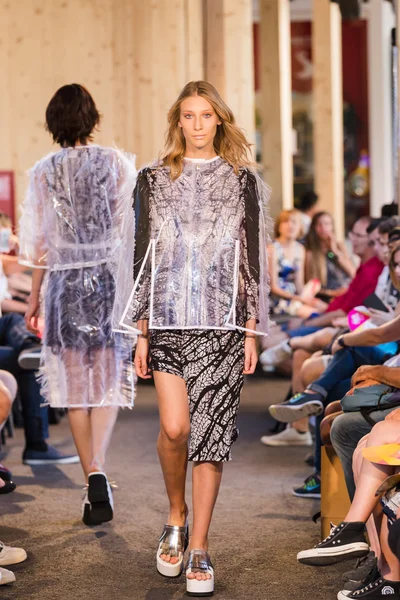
{"x": 311, "y": 488}
{"x": 375, "y": 591}
{"x": 363, "y": 567}
{"x": 51, "y": 456}
{"x": 298, "y": 407}
{"x": 351, "y": 586}
{"x": 345, "y": 541}
{"x": 100, "y": 497}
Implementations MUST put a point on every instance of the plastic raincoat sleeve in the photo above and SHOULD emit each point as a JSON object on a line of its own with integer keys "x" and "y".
{"x": 120, "y": 259}
{"x": 255, "y": 288}
{"x": 33, "y": 247}
{"x": 138, "y": 306}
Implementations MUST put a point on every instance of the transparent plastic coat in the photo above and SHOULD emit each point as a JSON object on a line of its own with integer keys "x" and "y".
{"x": 200, "y": 259}
{"x": 77, "y": 223}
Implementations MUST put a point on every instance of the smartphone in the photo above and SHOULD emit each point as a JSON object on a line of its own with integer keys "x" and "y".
{"x": 374, "y": 302}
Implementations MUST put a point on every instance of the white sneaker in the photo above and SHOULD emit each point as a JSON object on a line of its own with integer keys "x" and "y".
{"x": 11, "y": 556}
{"x": 6, "y": 577}
{"x": 288, "y": 437}
{"x": 276, "y": 354}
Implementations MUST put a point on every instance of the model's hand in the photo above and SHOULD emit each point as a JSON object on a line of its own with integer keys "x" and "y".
{"x": 32, "y": 314}
{"x": 250, "y": 355}
{"x": 142, "y": 358}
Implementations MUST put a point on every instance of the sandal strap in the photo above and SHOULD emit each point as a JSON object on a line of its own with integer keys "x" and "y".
{"x": 199, "y": 561}
{"x": 174, "y": 540}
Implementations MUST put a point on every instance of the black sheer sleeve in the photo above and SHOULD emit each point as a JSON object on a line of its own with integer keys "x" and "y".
{"x": 250, "y": 248}
{"x": 141, "y": 207}
{"x": 141, "y": 204}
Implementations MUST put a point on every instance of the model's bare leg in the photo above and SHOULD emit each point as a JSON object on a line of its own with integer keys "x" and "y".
{"x": 172, "y": 444}
{"x": 106, "y": 386}
{"x": 79, "y": 418}
{"x": 206, "y": 483}
{"x": 81, "y": 429}
{"x": 102, "y": 422}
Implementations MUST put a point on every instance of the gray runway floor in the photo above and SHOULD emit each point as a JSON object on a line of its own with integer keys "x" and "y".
{"x": 257, "y": 530}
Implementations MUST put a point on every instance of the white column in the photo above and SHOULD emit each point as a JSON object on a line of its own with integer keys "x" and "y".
{"x": 229, "y": 57}
{"x": 380, "y": 24}
{"x": 328, "y": 109}
{"x": 276, "y": 102}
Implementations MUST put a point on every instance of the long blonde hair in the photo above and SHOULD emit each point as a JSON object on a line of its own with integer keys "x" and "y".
{"x": 230, "y": 142}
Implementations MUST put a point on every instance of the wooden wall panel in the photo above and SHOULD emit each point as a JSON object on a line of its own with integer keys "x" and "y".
{"x": 133, "y": 56}
{"x": 328, "y": 110}
{"x": 230, "y": 57}
{"x": 276, "y": 102}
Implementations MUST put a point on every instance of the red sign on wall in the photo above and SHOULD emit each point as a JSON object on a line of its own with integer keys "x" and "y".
{"x": 7, "y": 194}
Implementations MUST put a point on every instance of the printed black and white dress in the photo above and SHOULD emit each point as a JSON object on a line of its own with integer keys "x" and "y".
{"x": 200, "y": 274}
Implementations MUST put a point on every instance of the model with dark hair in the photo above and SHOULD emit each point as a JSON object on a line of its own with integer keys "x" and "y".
{"x": 76, "y": 225}
{"x": 200, "y": 296}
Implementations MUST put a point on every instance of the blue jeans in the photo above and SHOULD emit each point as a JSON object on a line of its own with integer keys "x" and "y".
{"x": 344, "y": 364}
{"x": 302, "y": 331}
{"x": 14, "y": 337}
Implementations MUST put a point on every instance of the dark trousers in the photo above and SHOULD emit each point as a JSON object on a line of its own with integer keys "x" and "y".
{"x": 14, "y": 337}
{"x": 336, "y": 379}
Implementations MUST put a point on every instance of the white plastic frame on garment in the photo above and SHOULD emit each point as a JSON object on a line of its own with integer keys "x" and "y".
{"x": 145, "y": 287}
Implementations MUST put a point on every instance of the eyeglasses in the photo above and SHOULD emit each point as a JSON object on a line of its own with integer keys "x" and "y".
{"x": 358, "y": 236}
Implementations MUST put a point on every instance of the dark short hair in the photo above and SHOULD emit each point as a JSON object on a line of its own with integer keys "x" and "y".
{"x": 373, "y": 224}
{"x": 394, "y": 235}
{"x": 388, "y": 225}
{"x": 71, "y": 115}
{"x": 307, "y": 200}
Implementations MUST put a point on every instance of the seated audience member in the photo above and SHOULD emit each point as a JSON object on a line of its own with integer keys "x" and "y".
{"x": 286, "y": 264}
{"x": 11, "y": 300}
{"x": 387, "y": 290}
{"x": 304, "y": 367}
{"x": 307, "y": 205}
{"x": 347, "y": 539}
{"x": 332, "y": 383}
{"x": 15, "y": 342}
{"x": 362, "y": 286}
{"x": 8, "y": 391}
{"x": 326, "y": 258}
{"x": 381, "y": 343}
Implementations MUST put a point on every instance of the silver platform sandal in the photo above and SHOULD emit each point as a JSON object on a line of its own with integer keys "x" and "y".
{"x": 174, "y": 541}
{"x": 199, "y": 562}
